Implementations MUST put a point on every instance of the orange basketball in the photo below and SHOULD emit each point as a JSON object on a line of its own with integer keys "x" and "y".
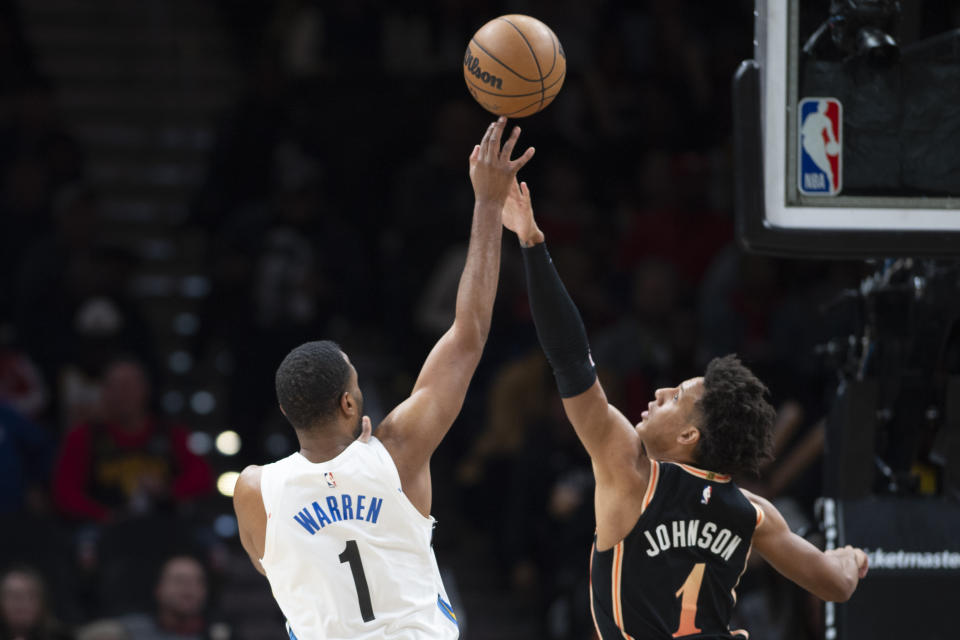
{"x": 514, "y": 66}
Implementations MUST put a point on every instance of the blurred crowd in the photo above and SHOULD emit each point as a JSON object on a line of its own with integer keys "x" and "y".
{"x": 337, "y": 204}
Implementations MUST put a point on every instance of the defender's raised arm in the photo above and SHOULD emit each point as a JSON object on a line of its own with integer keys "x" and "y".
{"x": 604, "y": 431}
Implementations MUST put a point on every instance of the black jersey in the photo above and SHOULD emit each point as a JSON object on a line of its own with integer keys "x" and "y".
{"x": 675, "y": 573}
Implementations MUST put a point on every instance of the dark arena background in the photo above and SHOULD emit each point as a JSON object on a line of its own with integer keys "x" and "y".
{"x": 189, "y": 189}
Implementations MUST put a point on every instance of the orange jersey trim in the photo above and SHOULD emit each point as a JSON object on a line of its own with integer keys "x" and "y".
{"x": 593, "y": 613}
{"x": 746, "y": 561}
{"x": 651, "y": 485}
{"x": 617, "y": 574}
{"x": 706, "y": 475}
{"x": 759, "y": 513}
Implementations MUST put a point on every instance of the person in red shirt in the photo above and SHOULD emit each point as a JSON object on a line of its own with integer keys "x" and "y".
{"x": 127, "y": 461}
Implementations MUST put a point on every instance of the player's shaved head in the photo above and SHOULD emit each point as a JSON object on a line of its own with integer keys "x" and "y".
{"x": 310, "y": 382}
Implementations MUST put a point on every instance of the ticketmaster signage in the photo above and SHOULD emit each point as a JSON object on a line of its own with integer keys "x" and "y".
{"x": 914, "y": 553}
{"x": 882, "y": 560}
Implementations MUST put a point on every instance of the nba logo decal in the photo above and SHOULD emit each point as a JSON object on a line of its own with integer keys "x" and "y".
{"x": 328, "y": 476}
{"x": 707, "y": 491}
{"x": 821, "y": 146}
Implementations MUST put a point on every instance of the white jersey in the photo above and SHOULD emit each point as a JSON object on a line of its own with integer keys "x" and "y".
{"x": 347, "y": 555}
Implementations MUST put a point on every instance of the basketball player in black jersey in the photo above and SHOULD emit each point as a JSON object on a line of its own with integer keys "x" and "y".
{"x": 673, "y": 531}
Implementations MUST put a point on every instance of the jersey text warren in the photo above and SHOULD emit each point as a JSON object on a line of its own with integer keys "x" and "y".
{"x": 315, "y": 517}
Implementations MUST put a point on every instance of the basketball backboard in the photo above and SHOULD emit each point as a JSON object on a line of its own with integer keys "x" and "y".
{"x": 847, "y": 130}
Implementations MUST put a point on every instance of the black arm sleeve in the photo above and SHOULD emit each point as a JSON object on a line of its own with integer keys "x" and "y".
{"x": 559, "y": 326}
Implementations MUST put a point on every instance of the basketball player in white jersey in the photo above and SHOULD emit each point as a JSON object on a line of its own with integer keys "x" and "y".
{"x": 342, "y": 528}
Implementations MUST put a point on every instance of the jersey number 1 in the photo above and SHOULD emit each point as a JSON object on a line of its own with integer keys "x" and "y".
{"x": 690, "y": 590}
{"x": 352, "y": 555}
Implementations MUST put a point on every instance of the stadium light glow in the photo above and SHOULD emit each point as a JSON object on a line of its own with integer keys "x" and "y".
{"x": 228, "y": 443}
{"x": 226, "y": 483}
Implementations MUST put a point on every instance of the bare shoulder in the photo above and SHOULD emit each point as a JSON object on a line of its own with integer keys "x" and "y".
{"x": 247, "y": 489}
{"x": 250, "y": 477}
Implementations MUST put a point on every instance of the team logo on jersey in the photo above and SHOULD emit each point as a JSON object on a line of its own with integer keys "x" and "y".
{"x": 821, "y": 146}
{"x": 707, "y": 492}
{"x": 328, "y": 476}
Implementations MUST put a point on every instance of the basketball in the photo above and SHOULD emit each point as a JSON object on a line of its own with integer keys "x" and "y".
{"x": 514, "y": 66}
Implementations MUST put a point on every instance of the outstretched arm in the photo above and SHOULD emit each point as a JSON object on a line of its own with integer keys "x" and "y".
{"x": 414, "y": 429}
{"x": 607, "y": 435}
{"x": 621, "y": 469}
{"x": 830, "y": 575}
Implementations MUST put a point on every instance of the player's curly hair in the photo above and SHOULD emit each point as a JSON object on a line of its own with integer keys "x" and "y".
{"x": 310, "y": 382}
{"x": 736, "y": 419}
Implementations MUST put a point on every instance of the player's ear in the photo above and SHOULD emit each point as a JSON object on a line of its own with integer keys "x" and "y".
{"x": 689, "y": 435}
{"x": 281, "y": 409}
{"x": 347, "y": 404}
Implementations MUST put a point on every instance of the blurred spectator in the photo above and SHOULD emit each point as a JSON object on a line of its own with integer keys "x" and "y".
{"x": 436, "y": 310}
{"x": 74, "y": 312}
{"x": 275, "y": 267}
{"x": 645, "y": 348}
{"x": 128, "y": 460}
{"x": 181, "y": 603}
{"x": 26, "y": 448}
{"x": 21, "y": 384}
{"x": 25, "y": 451}
{"x": 670, "y": 212}
{"x": 297, "y": 31}
{"x": 549, "y": 509}
{"x": 737, "y": 298}
{"x": 24, "y": 612}
{"x": 519, "y": 395}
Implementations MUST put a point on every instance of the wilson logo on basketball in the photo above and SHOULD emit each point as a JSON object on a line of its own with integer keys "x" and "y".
{"x": 472, "y": 65}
